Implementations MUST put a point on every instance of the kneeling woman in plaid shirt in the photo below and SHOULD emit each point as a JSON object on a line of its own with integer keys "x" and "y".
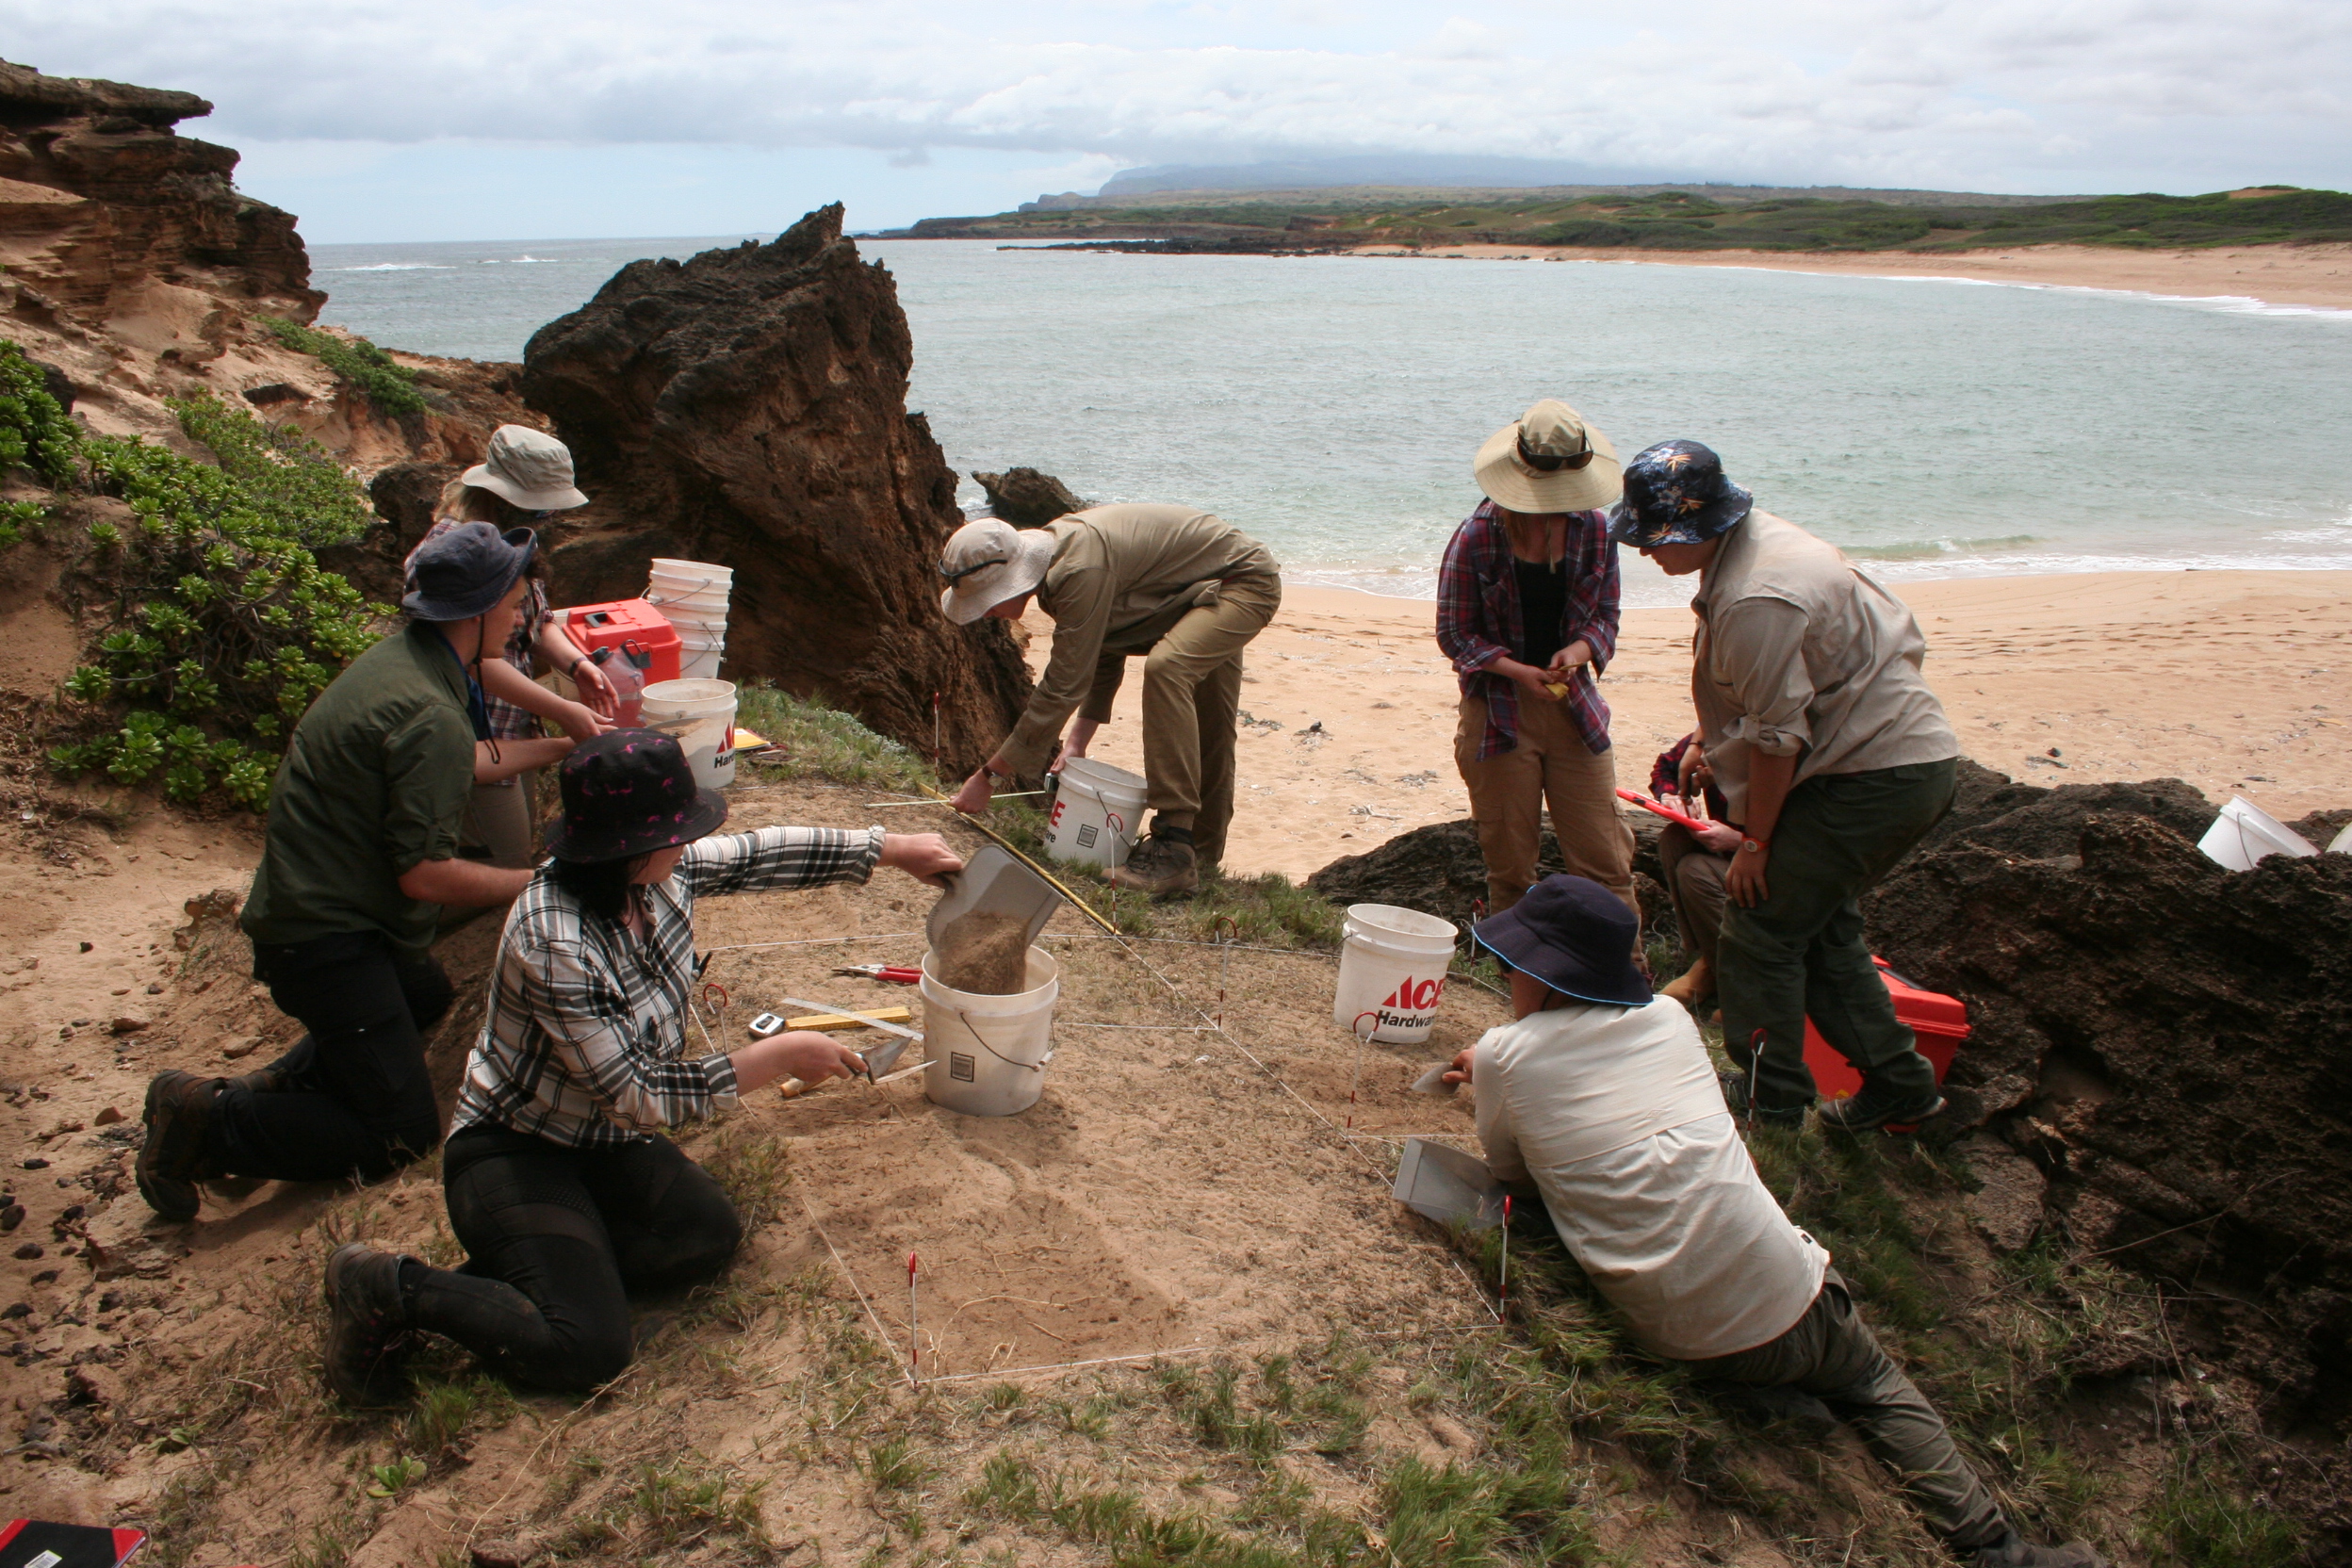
{"x": 558, "y": 1187}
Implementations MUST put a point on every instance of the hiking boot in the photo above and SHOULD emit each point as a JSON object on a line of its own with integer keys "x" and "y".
{"x": 1162, "y": 867}
{"x": 1873, "y": 1108}
{"x": 1736, "y": 1100}
{"x": 178, "y": 1114}
{"x": 2013, "y": 1551}
{"x": 367, "y": 1338}
{"x": 261, "y": 1080}
{"x": 1773, "y": 1405}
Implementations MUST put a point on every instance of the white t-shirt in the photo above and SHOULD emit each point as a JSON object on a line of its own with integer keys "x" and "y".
{"x": 1615, "y": 1113}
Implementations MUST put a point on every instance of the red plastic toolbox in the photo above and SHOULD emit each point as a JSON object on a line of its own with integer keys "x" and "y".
{"x": 1940, "y": 1022}
{"x": 624, "y": 621}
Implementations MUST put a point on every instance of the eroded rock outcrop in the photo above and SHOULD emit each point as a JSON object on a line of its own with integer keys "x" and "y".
{"x": 749, "y": 407}
{"x": 137, "y": 272}
{"x": 1026, "y": 497}
{"x": 2168, "y": 1041}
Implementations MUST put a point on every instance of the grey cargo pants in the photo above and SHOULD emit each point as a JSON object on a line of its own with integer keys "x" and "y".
{"x": 1832, "y": 1355}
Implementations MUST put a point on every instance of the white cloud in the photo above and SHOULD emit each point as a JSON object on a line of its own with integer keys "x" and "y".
{"x": 1994, "y": 93}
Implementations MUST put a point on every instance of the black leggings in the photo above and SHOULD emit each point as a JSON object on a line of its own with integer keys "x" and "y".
{"x": 354, "y": 1099}
{"x": 555, "y": 1238}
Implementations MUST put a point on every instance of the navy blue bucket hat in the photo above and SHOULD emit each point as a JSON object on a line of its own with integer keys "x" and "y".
{"x": 1675, "y": 493}
{"x": 466, "y": 571}
{"x": 1575, "y": 935}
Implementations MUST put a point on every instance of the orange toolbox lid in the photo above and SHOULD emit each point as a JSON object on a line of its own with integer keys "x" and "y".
{"x": 595, "y": 626}
{"x": 1925, "y": 1011}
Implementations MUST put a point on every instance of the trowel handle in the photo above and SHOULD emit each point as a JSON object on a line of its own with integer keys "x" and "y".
{"x": 791, "y": 1088}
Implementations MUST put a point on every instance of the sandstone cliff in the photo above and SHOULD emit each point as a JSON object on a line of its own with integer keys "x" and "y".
{"x": 749, "y": 407}
{"x": 138, "y": 273}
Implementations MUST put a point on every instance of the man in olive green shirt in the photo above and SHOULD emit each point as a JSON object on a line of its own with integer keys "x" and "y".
{"x": 360, "y": 855}
{"x": 1186, "y": 590}
{"x": 1834, "y": 760}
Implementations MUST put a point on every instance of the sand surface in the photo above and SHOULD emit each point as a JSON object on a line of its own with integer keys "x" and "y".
{"x": 2277, "y": 274}
{"x": 2240, "y": 682}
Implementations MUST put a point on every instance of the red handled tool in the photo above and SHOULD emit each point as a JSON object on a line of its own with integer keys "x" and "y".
{"x": 897, "y": 974}
{"x": 1667, "y": 811}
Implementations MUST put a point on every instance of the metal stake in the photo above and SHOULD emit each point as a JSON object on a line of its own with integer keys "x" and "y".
{"x": 1363, "y": 1043}
{"x": 1755, "y": 1062}
{"x": 1502, "y": 1284}
{"x": 914, "y": 1330}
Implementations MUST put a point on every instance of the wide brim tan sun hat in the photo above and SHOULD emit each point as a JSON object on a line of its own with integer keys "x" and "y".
{"x": 529, "y": 469}
{"x": 1550, "y": 430}
{"x": 989, "y": 561}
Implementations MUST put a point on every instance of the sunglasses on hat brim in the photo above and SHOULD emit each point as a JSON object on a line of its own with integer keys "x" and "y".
{"x": 1546, "y": 463}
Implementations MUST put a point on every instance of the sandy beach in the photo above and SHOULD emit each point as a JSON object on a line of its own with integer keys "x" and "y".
{"x": 2239, "y": 682}
{"x": 2275, "y": 274}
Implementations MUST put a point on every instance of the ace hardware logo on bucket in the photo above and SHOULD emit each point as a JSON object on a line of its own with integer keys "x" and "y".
{"x": 1412, "y": 1004}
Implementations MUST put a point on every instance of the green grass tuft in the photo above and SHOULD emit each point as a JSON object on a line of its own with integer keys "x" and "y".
{"x": 2196, "y": 1523}
{"x": 390, "y": 387}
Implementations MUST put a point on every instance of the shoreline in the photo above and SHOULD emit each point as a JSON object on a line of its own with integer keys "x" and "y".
{"x": 2310, "y": 276}
{"x": 2316, "y": 276}
{"x": 2203, "y": 675}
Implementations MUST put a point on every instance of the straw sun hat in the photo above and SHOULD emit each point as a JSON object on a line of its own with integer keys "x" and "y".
{"x": 1548, "y": 460}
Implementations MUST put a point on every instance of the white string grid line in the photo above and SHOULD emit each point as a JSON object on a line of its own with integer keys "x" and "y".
{"x": 1348, "y": 1137}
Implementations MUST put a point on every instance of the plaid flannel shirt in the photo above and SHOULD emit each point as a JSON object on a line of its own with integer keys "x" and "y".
{"x": 585, "y": 1043}
{"x": 1478, "y": 620}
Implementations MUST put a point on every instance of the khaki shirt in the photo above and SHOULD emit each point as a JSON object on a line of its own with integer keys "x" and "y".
{"x": 1797, "y": 653}
{"x": 1120, "y": 578}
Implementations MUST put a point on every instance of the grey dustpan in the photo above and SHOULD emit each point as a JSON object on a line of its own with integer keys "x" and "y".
{"x": 994, "y": 880}
{"x": 1447, "y": 1186}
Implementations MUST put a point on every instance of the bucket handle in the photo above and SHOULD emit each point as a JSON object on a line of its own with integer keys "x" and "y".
{"x": 696, "y": 589}
{"x": 965, "y": 1018}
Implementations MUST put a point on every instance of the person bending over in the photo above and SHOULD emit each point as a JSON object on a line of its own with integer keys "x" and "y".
{"x": 1602, "y": 1095}
{"x": 560, "y": 1187}
{"x": 1526, "y": 612}
{"x": 359, "y": 857}
{"x": 1184, "y": 589}
{"x": 1834, "y": 757}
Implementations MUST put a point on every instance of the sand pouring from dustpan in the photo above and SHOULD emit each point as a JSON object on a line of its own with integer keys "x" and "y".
{"x": 988, "y": 990}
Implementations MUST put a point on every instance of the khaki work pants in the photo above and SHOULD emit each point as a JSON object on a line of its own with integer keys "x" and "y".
{"x": 1191, "y": 695}
{"x": 1695, "y": 876}
{"x": 1551, "y": 765}
{"x": 499, "y": 819}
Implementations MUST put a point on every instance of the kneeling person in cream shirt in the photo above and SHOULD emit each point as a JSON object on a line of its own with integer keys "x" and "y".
{"x": 1603, "y": 1097}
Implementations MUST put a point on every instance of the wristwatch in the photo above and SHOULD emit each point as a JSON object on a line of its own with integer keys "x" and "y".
{"x": 1754, "y": 846}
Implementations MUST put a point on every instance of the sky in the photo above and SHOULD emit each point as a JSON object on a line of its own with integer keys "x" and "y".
{"x": 382, "y": 121}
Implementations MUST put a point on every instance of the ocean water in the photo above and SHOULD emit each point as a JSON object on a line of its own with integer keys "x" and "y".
{"x": 1331, "y": 405}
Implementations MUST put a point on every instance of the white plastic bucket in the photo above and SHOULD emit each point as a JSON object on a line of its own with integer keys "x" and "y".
{"x": 698, "y": 663}
{"x": 689, "y": 573}
{"x": 677, "y": 607}
{"x": 1392, "y": 973}
{"x": 2341, "y": 844}
{"x": 701, "y": 714}
{"x": 989, "y": 1053}
{"x": 2245, "y": 833}
{"x": 1098, "y": 814}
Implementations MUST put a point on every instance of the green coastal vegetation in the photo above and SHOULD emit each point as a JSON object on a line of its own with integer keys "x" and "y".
{"x": 214, "y": 625}
{"x": 1673, "y": 220}
{"x": 388, "y": 385}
